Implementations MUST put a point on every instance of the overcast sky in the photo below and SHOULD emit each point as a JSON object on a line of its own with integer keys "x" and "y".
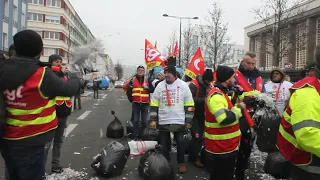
{"x": 123, "y": 25}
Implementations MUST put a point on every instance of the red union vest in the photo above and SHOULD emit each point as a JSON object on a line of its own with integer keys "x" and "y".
{"x": 288, "y": 150}
{"x": 195, "y": 82}
{"x": 29, "y": 112}
{"x": 220, "y": 139}
{"x": 67, "y": 100}
{"x": 139, "y": 94}
{"x": 247, "y": 88}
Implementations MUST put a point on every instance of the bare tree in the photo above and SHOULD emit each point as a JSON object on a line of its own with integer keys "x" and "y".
{"x": 278, "y": 17}
{"x": 187, "y": 45}
{"x": 118, "y": 70}
{"x": 215, "y": 38}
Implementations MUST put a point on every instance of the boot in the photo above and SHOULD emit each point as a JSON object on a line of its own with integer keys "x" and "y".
{"x": 198, "y": 164}
{"x": 182, "y": 168}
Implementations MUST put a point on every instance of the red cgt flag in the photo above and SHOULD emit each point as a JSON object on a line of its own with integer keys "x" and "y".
{"x": 196, "y": 65}
{"x": 153, "y": 57}
{"x": 176, "y": 50}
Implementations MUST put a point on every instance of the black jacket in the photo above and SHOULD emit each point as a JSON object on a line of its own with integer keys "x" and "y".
{"x": 200, "y": 100}
{"x": 17, "y": 70}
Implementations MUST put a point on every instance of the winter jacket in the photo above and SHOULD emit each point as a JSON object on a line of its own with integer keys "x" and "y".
{"x": 18, "y": 70}
{"x": 200, "y": 100}
{"x": 129, "y": 90}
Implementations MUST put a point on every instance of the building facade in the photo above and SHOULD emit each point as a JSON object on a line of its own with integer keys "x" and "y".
{"x": 13, "y": 19}
{"x": 304, "y": 34}
{"x": 58, "y": 23}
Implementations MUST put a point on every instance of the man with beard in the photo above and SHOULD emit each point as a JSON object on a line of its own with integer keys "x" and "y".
{"x": 199, "y": 88}
{"x": 279, "y": 89}
{"x": 222, "y": 132}
{"x": 172, "y": 108}
{"x": 248, "y": 78}
{"x": 138, "y": 95}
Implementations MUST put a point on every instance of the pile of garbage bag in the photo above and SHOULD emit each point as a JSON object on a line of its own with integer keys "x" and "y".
{"x": 150, "y": 134}
{"x": 115, "y": 129}
{"x": 154, "y": 166}
{"x": 140, "y": 147}
{"x": 130, "y": 129}
{"x": 277, "y": 166}
{"x": 112, "y": 159}
{"x": 267, "y": 119}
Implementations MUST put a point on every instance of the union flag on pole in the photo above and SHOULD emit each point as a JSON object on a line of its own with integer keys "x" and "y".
{"x": 196, "y": 65}
{"x": 176, "y": 50}
{"x": 153, "y": 57}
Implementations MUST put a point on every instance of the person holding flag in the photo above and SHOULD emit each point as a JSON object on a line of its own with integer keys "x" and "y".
{"x": 199, "y": 88}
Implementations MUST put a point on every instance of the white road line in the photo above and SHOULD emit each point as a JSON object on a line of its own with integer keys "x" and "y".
{"x": 69, "y": 129}
{"x": 111, "y": 89}
{"x": 104, "y": 96}
{"x": 84, "y": 115}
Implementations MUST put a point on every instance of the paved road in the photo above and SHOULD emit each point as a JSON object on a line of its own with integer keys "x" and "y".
{"x": 85, "y": 137}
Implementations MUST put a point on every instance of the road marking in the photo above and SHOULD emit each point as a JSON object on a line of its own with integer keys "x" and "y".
{"x": 69, "y": 129}
{"x": 122, "y": 99}
{"x": 84, "y": 115}
{"x": 103, "y": 97}
{"x": 111, "y": 89}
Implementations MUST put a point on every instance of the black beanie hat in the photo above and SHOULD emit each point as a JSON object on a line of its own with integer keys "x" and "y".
{"x": 54, "y": 57}
{"x": 28, "y": 43}
{"x": 224, "y": 73}
{"x": 208, "y": 75}
{"x": 171, "y": 69}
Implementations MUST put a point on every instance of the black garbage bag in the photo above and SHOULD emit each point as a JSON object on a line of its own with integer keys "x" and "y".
{"x": 277, "y": 166}
{"x": 150, "y": 134}
{"x": 267, "y": 121}
{"x": 154, "y": 166}
{"x": 115, "y": 129}
{"x": 130, "y": 129}
{"x": 112, "y": 159}
{"x": 194, "y": 149}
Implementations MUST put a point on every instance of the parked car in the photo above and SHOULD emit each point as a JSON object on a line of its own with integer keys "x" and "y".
{"x": 118, "y": 84}
{"x": 103, "y": 83}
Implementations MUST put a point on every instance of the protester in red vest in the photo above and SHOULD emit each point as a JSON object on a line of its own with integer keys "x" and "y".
{"x": 249, "y": 79}
{"x": 222, "y": 132}
{"x": 138, "y": 95}
{"x": 199, "y": 88}
{"x": 29, "y": 91}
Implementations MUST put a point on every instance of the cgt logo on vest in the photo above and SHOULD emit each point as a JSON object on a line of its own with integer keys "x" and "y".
{"x": 11, "y": 96}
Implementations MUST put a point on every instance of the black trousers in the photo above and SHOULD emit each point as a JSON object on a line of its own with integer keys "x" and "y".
{"x": 222, "y": 167}
{"x": 243, "y": 160}
{"x": 299, "y": 174}
{"x": 95, "y": 94}
{"x": 77, "y": 98}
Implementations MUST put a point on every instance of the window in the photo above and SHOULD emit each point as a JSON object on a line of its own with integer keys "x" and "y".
{"x": 35, "y": 2}
{"x": 6, "y": 8}
{"x": 35, "y": 17}
{"x": 53, "y": 19}
{"x": 15, "y": 13}
{"x": 50, "y": 51}
{"x": 38, "y": 31}
{"x": 54, "y": 3}
{"x": 52, "y": 35}
{"x": 5, "y": 40}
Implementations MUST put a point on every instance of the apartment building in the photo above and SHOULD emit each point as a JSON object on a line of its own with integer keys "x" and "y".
{"x": 59, "y": 25}
{"x": 304, "y": 32}
{"x": 13, "y": 19}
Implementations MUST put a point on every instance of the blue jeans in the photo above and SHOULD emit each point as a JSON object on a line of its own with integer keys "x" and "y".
{"x": 139, "y": 110}
{"x": 24, "y": 163}
{"x": 165, "y": 142}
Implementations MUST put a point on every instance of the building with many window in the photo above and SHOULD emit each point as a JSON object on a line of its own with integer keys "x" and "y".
{"x": 304, "y": 29}
{"x": 59, "y": 25}
{"x": 12, "y": 20}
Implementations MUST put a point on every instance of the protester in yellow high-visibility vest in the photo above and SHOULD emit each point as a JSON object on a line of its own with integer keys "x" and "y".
{"x": 298, "y": 138}
{"x": 63, "y": 109}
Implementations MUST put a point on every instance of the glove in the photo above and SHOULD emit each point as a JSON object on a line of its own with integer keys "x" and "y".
{"x": 249, "y": 101}
{"x": 153, "y": 124}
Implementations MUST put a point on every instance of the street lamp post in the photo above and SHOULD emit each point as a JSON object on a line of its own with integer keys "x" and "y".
{"x": 180, "y": 18}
